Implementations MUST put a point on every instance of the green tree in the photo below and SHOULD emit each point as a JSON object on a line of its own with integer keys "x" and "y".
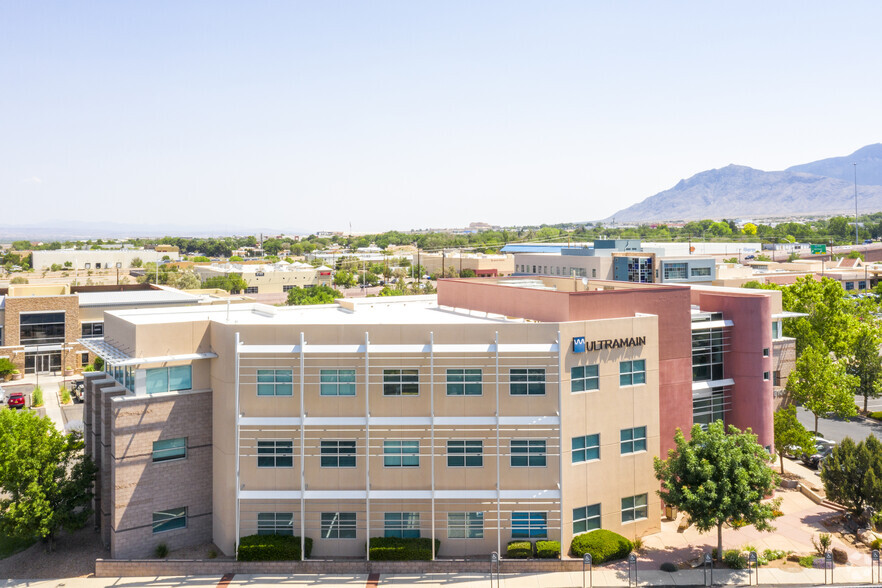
{"x": 852, "y": 474}
{"x": 187, "y": 281}
{"x": 830, "y": 321}
{"x": 344, "y": 279}
{"x": 749, "y": 229}
{"x": 21, "y": 245}
{"x": 45, "y": 478}
{"x": 298, "y": 296}
{"x": 821, "y": 384}
{"x": 233, "y": 283}
{"x": 717, "y": 477}
{"x": 790, "y": 434}
{"x": 865, "y": 363}
{"x": 6, "y": 367}
{"x": 236, "y": 258}
{"x": 467, "y": 273}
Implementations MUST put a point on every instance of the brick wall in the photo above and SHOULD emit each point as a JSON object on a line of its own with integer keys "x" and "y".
{"x": 72, "y": 331}
{"x": 783, "y": 362}
{"x": 106, "y": 391}
{"x": 141, "y": 487}
{"x": 112, "y": 568}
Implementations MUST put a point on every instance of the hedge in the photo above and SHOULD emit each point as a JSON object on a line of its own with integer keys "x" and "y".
{"x": 603, "y": 545}
{"x": 548, "y": 549}
{"x": 519, "y": 549}
{"x": 398, "y": 549}
{"x": 876, "y": 415}
{"x": 271, "y": 548}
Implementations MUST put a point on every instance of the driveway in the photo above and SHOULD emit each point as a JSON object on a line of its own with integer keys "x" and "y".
{"x": 836, "y": 429}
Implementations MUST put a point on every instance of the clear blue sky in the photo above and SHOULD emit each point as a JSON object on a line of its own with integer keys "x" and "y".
{"x": 315, "y": 115}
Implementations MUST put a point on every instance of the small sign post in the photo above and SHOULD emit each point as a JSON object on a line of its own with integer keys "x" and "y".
{"x": 494, "y": 559}
{"x": 632, "y": 567}
{"x": 875, "y": 565}
{"x": 752, "y": 560}
{"x": 708, "y": 564}
{"x": 828, "y": 564}
{"x": 587, "y": 562}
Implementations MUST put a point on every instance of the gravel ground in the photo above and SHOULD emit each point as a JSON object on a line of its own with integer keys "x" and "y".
{"x": 74, "y": 556}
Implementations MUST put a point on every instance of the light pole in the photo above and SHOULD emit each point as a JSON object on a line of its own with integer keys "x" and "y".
{"x": 856, "y": 242}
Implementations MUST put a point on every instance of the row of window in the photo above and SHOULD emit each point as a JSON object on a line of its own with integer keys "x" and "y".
{"x": 460, "y": 382}
{"x": 406, "y": 453}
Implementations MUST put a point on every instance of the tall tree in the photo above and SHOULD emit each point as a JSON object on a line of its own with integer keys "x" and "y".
{"x": 790, "y": 434}
{"x": 831, "y": 318}
{"x": 717, "y": 477}
{"x": 852, "y": 474}
{"x": 822, "y": 385}
{"x": 316, "y": 295}
{"x": 865, "y": 362}
{"x": 44, "y": 477}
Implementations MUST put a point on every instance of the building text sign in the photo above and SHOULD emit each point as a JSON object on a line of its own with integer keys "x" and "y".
{"x": 580, "y": 345}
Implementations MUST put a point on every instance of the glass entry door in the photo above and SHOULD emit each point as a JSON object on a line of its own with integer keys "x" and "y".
{"x": 42, "y": 363}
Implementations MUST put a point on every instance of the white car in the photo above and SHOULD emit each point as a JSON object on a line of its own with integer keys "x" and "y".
{"x": 2, "y": 396}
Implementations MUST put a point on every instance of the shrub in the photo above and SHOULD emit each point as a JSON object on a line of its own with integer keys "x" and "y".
{"x": 98, "y": 364}
{"x": 64, "y": 393}
{"x": 37, "y": 397}
{"x": 603, "y": 545}
{"x": 734, "y": 559}
{"x": 398, "y": 549}
{"x": 773, "y": 554}
{"x": 668, "y": 567}
{"x": 876, "y": 415}
{"x": 161, "y": 550}
{"x": 271, "y": 548}
{"x": 212, "y": 554}
{"x": 823, "y": 543}
{"x": 876, "y": 544}
{"x": 6, "y": 367}
{"x": 807, "y": 561}
{"x": 548, "y": 549}
{"x": 519, "y": 549}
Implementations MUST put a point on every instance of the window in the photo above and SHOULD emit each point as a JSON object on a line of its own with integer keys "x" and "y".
{"x": 634, "y": 508}
{"x": 776, "y": 330}
{"x": 849, "y": 285}
{"x": 338, "y": 525}
{"x": 707, "y": 355}
{"x": 527, "y": 525}
{"x": 700, "y": 272}
{"x": 338, "y": 454}
{"x": 674, "y": 271}
{"x": 776, "y": 378}
{"x": 465, "y": 454}
{"x": 862, "y": 285}
{"x": 402, "y": 524}
{"x": 766, "y": 376}
{"x": 275, "y": 523}
{"x": 526, "y": 381}
{"x": 465, "y": 525}
{"x": 401, "y": 454}
{"x": 84, "y": 357}
{"x": 586, "y": 448}
{"x": 251, "y": 290}
{"x": 275, "y": 454}
{"x": 765, "y": 351}
{"x": 91, "y": 330}
{"x": 593, "y": 273}
{"x": 711, "y": 406}
{"x": 586, "y": 518}
{"x": 287, "y": 287}
{"x": 337, "y": 382}
{"x": 633, "y": 440}
{"x": 275, "y": 382}
{"x": 41, "y": 328}
{"x": 527, "y": 453}
{"x": 584, "y": 378}
{"x": 464, "y": 382}
{"x": 169, "y": 449}
{"x": 632, "y": 373}
{"x": 169, "y": 520}
{"x": 401, "y": 382}
{"x": 169, "y": 379}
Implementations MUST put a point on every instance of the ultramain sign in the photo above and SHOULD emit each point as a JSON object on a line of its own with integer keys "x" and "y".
{"x": 581, "y": 346}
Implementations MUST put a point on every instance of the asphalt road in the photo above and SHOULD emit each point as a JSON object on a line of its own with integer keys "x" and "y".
{"x": 835, "y": 429}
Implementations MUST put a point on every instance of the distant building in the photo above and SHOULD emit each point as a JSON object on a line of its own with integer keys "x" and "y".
{"x": 98, "y": 258}
{"x": 484, "y": 265}
{"x": 270, "y": 278}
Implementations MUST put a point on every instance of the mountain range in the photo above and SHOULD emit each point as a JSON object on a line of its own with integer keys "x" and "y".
{"x": 821, "y": 187}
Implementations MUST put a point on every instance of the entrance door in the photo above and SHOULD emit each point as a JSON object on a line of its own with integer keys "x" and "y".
{"x": 42, "y": 363}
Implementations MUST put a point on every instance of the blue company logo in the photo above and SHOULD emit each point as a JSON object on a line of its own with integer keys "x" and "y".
{"x": 578, "y": 344}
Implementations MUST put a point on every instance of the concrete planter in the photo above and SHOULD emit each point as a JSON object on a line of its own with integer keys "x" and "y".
{"x": 789, "y": 484}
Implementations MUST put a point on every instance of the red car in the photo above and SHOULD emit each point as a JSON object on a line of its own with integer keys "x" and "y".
{"x": 16, "y": 400}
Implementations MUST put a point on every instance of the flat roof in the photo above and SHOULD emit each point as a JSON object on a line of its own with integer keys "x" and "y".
{"x": 362, "y": 311}
{"x": 137, "y": 297}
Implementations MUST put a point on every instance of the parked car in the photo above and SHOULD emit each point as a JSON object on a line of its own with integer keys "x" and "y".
{"x": 76, "y": 390}
{"x": 823, "y": 448}
{"x": 2, "y": 395}
{"x": 16, "y": 400}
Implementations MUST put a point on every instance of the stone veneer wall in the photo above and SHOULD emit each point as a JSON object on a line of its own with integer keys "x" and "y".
{"x": 783, "y": 362}
{"x": 72, "y": 329}
{"x": 141, "y": 487}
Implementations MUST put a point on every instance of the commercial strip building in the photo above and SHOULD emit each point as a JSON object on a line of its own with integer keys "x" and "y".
{"x": 502, "y": 409}
{"x": 483, "y": 265}
{"x": 625, "y": 260}
{"x": 95, "y": 259}
{"x": 270, "y": 278}
{"x": 41, "y": 325}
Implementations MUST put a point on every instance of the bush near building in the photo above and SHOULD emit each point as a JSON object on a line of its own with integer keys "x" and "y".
{"x": 402, "y": 549}
{"x": 603, "y": 545}
{"x": 519, "y": 550}
{"x": 271, "y": 548}
{"x": 548, "y": 549}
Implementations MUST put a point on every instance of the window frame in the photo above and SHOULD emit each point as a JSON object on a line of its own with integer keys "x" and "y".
{"x": 465, "y": 386}
{"x": 532, "y": 526}
{"x": 395, "y": 384}
{"x": 465, "y": 525}
{"x": 335, "y": 458}
{"x": 528, "y": 449}
{"x": 456, "y": 452}
{"x": 531, "y": 387}
{"x": 169, "y": 519}
{"x": 275, "y": 382}
{"x": 336, "y": 527}
{"x": 336, "y": 386}
{"x": 583, "y": 381}
{"x": 630, "y": 373}
{"x": 168, "y": 450}
{"x": 637, "y": 507}
{"x": 633, "y": 443}
{"x": 587, "y": 517}
{"x": 276, "y": 455}
{"x": 279, "y": 525}
{"x": 390, "y": 454}
{"x": 404, "y": 525}
{"x": 584, "y": 449}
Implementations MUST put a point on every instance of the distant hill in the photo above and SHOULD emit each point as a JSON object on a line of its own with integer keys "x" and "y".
{"x": 820, "y": 187}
